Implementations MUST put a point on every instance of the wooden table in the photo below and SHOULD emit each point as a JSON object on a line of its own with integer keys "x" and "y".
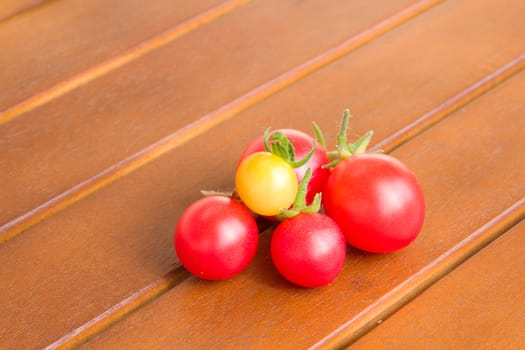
{"x": 113, "y": 114}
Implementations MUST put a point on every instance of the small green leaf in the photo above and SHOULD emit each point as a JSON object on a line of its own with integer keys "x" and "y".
{"x": 315, "y": 206}
{"x": 343, "y": 148}
{"x": 282, "y": 147}
{"x": 299, "y": 205}
{"x": 279, "y": 144}
{"x": 341, "y": 136}
{"x": 341, "y": 142}
{"x": 319, "y": 135}
{"x": 300, "y": 197}
{"x": 362, "y": 143}
{"x": 265, "y": 140}
{"x": 286, "y": 214}
{"x": 300, "y": 163}
{"x": 332, "y": 164}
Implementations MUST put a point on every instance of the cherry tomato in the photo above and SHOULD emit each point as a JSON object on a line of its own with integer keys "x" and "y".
{"x": 308, "y": 249}
{"x": 266, "y": 183}
{"x": 376, "y": 200}
{"x": 302, "y": 143}
{"x": 216, "y": 238}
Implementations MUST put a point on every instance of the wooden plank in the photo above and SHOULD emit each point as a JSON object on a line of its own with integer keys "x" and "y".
{"x": 259, "y": 309}
{"x": 10, "y": 8}
{"x": 403, "y": 293}
{"x": 72, "y": 300}
{"x": 64, "y": 38}
{"x": 124, "y": 120}
{"x": 111, "y": 111}
{"x": 121, "y": 236}
{"x": 481, "y": 305}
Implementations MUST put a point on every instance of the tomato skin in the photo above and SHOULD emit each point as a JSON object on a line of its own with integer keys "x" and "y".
{"x": 376, "y": 200}
{"x": 266, "y": 183}
{"x": 302, "y": 144}
{"x": 308, "y": 250}
{"x": 216, "y": 238}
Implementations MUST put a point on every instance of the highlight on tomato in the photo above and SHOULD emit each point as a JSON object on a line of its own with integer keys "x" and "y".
{"x": 375, "y": 199}
{"x": 295, "y": 144}
{"x": 308, "y": 248}
{"x": 371, "y": 201}
{"x": 216, "y": 238}
{"x": 266, "y": 183}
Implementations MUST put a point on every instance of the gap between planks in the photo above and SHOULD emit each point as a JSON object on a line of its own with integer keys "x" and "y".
{"x": 120, "y": 310}
{"x": 390, "y": 302}
{"x": 130, "y": 304}
{"x": 125, "y": 57}
{"x": 190, "y": 131}
{"x": 25, "y": 9}
{"x": 452, "y": 104}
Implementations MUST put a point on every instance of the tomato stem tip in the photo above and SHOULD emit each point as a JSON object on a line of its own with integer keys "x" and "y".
{"x": 343, "y": 148}
{"x": 319, "y": 135}
{"x": 281, "y": 146}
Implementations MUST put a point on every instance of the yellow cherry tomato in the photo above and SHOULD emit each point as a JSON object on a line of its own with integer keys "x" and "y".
{"x": 266, "y": 183}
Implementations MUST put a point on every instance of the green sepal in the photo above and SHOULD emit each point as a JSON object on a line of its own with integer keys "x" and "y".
{"x": 341, "y": 141}
{"x": 361, "y": 144}
{"x": 345, "y": 149}
{"x": 282, "y": 147}
{"x": 299, "y": 205}
{"x": 305, "y": 159}
{"x": 319, "y": 134}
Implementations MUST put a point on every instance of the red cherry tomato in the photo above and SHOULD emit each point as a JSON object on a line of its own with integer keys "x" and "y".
{"x": 308, "y": 249}
{"x": 302, "y": 144}
{"x": 216, "y": 238}
{"x": 376, "y": 200}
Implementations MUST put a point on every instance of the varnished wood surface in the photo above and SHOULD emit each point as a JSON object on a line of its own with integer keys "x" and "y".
{"x": 174, "y": 96}
{"x": 60, "y": 39}
{"x": 490, "y": 315}
{"x": 261, "y": 292}
{"x": 101, "y": 152}
{"x": 11, "y": 8}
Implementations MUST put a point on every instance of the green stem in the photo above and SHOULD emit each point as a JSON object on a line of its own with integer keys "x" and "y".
{"x": 344, "y": 149}
{"x": 281, "y": 146}
{"x": 319, "y": 135}
{"x": 342, "y": 146}
{"x": 299, "y": 205}
{"x": 305, "y": 159}
{"x": 300, "y": 197}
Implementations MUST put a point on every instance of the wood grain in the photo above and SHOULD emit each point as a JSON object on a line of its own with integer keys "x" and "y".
{"x": 78, "y": 289}
{"x": 11, "y": 8}
{"x": 452, "y": 104}
{"x": 129, "y": 252}
{"x": 51, "y": 182}
{"x": 374, "y": 314}
{"x": 127, "y": 98}
{"x": 120, "y": 310}
{"x": 110, "y": 245}
{"x": 63, "y": 38}
{"x": 481, "y": 305}
{"x": 258, "y": 309}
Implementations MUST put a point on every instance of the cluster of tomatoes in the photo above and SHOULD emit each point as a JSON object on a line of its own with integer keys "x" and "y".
{"x": 371, "y": 201}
